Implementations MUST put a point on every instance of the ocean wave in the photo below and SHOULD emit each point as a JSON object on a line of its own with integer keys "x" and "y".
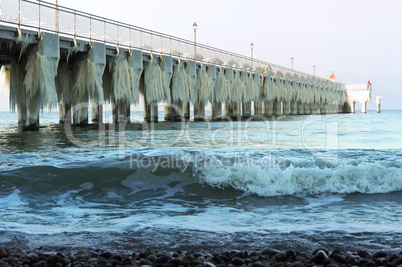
{"x": 368, "y": 178}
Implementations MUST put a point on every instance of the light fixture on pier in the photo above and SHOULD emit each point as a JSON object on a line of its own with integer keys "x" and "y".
{"x": 195, "y": 39}
{"x": 252, "y": 58}
{"x": 314, "y": 70}
{"x": 291, "y": 60}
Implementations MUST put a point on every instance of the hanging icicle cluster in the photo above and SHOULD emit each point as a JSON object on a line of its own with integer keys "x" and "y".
{"x": 64, "y": 83}
{"x": 192, "y": 75}
{"x": 203, "y": 88}
{"x": 153, "y": 82}
{"x": 222, "y": 92}
{"x": 40, "y": 79}
{"x": 166, "y": 78}
{"x": 237, "y": 88}
{"x": 181, "y": 84}
{"x": 88, "y": 80}
{"x": 121, "y": 81}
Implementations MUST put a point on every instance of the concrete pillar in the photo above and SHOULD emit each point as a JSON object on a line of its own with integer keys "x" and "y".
{"x": 286, "y": 108}
{"x": 167, "y": 109}
{"x": 246, "y": 107}
{"x": 199, "y": 111}
{"x": 150, "y": 111}
{"x": 97, "y": 113}
{"x": 277, "y": 107}
{"x": 42, "y": 58}
{"x": 352, "y": 107}
{"x": 268, "y": 108}
{"x": 216, "y": 110}
{"x": 176, "y": 111}
{"x": 307, "y": 110}
{"x": 167, "y": 68}
{"x": 363, "y": 107}
{"x": 258, "y": 109}
{"x": 378, "y": 103}
{"x": 97, "y": 56}
{"x": 300, "y": 107}
{"x": 294, "y": 108}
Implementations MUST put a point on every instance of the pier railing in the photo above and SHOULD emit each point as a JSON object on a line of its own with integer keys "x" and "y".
{"x": 44, "y": 16}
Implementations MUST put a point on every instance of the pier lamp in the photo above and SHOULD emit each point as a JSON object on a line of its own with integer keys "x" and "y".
{"x": 195, "y": 39}
{"x": 291, "y": 60}
{"x": 314, "y": 70}
{"x": 252, "y": 59}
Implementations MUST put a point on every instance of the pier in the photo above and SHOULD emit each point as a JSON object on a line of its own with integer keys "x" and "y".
{"x": 55, "y": 56}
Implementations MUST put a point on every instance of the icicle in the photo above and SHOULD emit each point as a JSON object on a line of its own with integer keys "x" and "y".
{"x": 40, "y": 80}
{"x": 203, "y": 87}
{"x": 88, "y": 80}
{"x": 153, "y": 82}
{"x": 181, "y": 83}
{"x": 237, "y": 88}
{"x": 222, "y": 92}
{"x": 192, "y": 81}
{"x": 5, "y": 79}
{"x": 166, "y": 79}
{"x": 121, "y": 82}
{"x": 64, "y": 83}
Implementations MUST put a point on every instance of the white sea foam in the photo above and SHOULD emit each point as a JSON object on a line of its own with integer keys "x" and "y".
{"x": 367, "y": 178}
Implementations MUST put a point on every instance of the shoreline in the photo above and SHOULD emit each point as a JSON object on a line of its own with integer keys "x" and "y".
{"x": 60, "y": 257}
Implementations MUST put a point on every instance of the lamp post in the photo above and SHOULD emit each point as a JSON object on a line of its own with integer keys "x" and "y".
{"x": 252, "y": 59}
{"x": 314, "y": 70}
{"x": 195, "y": 39}
{"x": 291, "y": 60}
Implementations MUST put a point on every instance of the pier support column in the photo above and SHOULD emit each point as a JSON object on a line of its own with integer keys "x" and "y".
{"x": 199, "y": 111}
{"x": 246, "y": 107}
{"x": 258, "y": 108}
{"x": 86, "y": 85}
{"x": 216, "y": 110}
{"x": 150, "y": 112}
{"x": 286, "y": 108}
{"x": 167, "y": 109}
{"x": 97, "y": 113}
{"x": 352, "y": 107}
{"x": 277, "y": 107}
{"x": 167, "y": 69}
{"x": 300, "y": 107}
{"x": 268, "y": 108}
{"x": 363, "y": 107}
{"x": 294, "y": 107}
{"x": 307, "y": 110}
{"x": 176, "y": 111}
{"x": 378, "y": 103}
{"x": 39, "y": 80}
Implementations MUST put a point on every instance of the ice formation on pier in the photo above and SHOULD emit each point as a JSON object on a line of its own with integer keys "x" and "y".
{"x": 121, "y": 81}
{"x": 203, "y": 88}
{"x": 237, "y": 88}
{"x": 181, "y": 83}
{"x": 88, "y": 81}
{"x": 221, "y": 90}
{"x": 153, "y": 82}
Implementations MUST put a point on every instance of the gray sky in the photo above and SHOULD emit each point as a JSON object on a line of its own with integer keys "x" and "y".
{"x": 358, "y": 39}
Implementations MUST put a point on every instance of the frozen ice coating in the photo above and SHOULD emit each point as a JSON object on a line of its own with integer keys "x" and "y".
{"x": 181, "y": 83}
{"x": 221, "y": 90}
{"x": 237, "y": 88}
{"x": 153, "y": 81}
{"x": 203, "y": 86}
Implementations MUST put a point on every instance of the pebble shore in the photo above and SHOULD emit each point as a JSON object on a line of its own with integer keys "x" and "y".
{"x": 266, "y": 257}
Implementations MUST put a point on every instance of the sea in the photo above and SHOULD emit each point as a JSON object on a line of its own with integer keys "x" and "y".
{"x": 301, "y": 182}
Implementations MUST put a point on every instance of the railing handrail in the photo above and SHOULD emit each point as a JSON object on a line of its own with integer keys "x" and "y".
{"x": 118, "y": 24}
